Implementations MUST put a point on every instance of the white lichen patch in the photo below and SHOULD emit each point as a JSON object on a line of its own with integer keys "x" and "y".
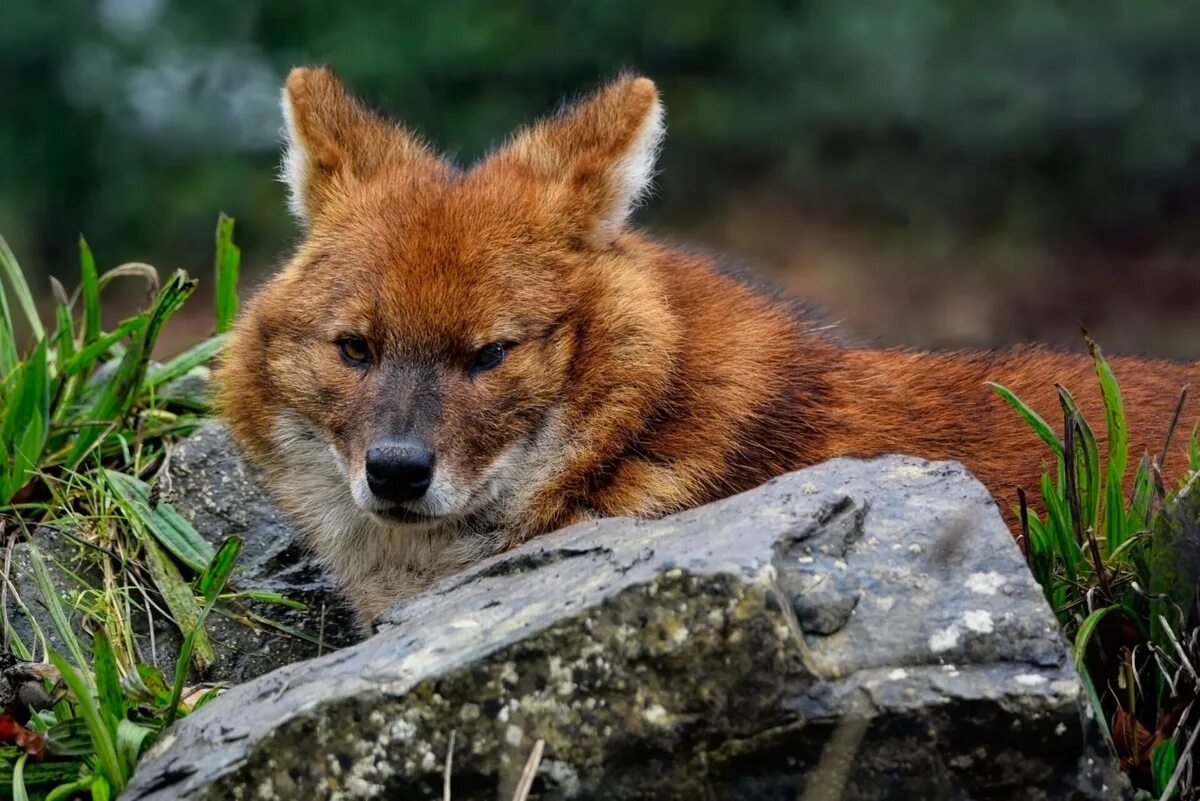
{"x": 565, "y": 777}
{"x": 809, "y": 488}
{"x": 1030, "y": 680}
{"x": 513, "y": 735}
{"x": 984, "y": 583}
{"x": 944, "y": 639}
{"x": 884, "y": 602}
{"x": 979, "y": 621}
{"x": 899, "y": 674}
{"x": 655, "y": 713}
{"x": 402, "y": 730}
{"x": 563, "y": 678}
{"x": 915, "y": 549}
{"x": 906, "y": 471}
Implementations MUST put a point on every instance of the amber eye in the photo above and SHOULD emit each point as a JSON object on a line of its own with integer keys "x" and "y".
{"x": 354, "y": 351}
{"x": 487, "y": 358}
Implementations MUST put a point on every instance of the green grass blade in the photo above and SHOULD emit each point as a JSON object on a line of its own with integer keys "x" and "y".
{"x": 167, "y": 525}
{"x": 1079, "y": 654}
{"x": 19, "y": 792}
{"x": 131, "y": 739}
{"x": 212, "y": 582}
{"x": 214, "y": 577}
{"x": 1163, "y": 760}
{"x": 1118, "y": 450}
{"x": 9, "y": 357}
{"x": 267, "y": 597}
{"x": 178, "y": 596}
{"x": 107, "y": 762}
{"x": 1086, "y": 629}
{"x": 108, "y": 680}
{"x": 85, "y": 359}
{"x": 1058, "y": 526}
{"x": 1087, "y": 461}
{"x": 41, "y": 773}
{"x": 1141, "y": 500}
{"x": 1089, "y": 687}
{"x": 1035, "y": 421}
{"x": 64, "y": 336}
{"x": 146, "y": 683}
{"x": 64, "y": 792}
{"x": 228, "y": 262}
{"x": 90, "y": 288}
{"x": 121, "y": 392}
{"x": 102, "y": 789}
{"x": 191, "y": 358}
{"x": 69, "y": 738}
{"x": 1194, "y": 449}
{"x": 58, "y": 616}
{"x": 26, "y": 423}
{"x": 16, "y": 280}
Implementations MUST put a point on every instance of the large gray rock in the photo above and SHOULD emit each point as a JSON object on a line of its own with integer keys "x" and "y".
{"x": 860, "y": 629}
{"x": 213, "y": 489}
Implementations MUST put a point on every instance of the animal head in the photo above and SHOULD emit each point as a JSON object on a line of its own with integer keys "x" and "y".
{"x": 417, "y": 354}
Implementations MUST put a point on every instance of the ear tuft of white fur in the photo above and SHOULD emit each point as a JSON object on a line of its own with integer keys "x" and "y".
{"x": 633, "y": 174}
{"x": 294, "y": 166}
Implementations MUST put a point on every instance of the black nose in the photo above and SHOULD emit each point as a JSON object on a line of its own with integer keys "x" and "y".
{"x": 399, "y": 469}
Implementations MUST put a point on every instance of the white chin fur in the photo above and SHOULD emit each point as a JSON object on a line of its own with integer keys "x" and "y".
{"x": 376, "y": 562}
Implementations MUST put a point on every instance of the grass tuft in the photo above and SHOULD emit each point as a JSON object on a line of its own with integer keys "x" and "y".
{"x": 1113, "y": 560}
{"x": 87, "y": 420}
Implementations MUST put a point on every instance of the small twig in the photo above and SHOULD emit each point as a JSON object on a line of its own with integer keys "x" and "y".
{"x": 1024, "y": 507}
{"x": 449, "y": 764}
{"x": 1183, "y": 393}
{"x": 527, "y": 776}
{"x": 1072, "y": 421}
{"x": 8, "y": 548}
{"x": 827, "y": 780}
{"x": 321, "y": 633}
{"x": 75, "y": 538}
{"x": 1178, "y": 648}
{"x": 149, "y": 618}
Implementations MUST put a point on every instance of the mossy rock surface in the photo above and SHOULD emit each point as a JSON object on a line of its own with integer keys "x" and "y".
{"x": 859, "y": 630}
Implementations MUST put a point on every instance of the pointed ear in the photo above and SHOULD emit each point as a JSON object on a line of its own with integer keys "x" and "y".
{"x": 596, "y": 157}
{"x": 332, "y": 141}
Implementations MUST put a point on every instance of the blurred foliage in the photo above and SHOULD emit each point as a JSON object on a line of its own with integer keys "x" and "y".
{"x": 135, "y": 120}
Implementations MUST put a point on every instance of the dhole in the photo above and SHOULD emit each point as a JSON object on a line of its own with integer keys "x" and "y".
{"x": 456, "y": 360}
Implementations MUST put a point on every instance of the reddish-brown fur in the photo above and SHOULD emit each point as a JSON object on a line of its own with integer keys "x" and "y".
{"x": 640, "y": 378}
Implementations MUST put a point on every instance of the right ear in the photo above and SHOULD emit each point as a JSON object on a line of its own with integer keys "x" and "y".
{"x": 332, "y": 141}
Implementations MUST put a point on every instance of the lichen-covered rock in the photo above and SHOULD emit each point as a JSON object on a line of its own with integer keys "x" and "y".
{"x": 860, "y": 630}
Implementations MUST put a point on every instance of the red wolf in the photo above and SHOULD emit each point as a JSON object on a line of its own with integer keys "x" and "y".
{"x": 456, "y": 360}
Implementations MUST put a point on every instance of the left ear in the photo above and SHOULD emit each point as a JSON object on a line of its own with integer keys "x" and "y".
{"x": 334, "y": 142}
{"x": 596, "y": 157}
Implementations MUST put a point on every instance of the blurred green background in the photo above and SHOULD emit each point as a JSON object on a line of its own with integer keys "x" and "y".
{"x": 929, "y": 173}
